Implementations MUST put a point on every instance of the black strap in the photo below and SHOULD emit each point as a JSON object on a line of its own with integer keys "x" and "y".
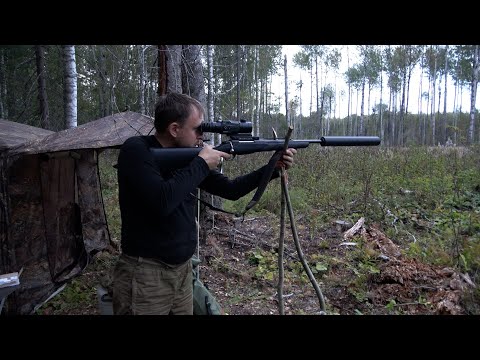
{"x": 211, "y": 207}
{"x": 267, "y": 175}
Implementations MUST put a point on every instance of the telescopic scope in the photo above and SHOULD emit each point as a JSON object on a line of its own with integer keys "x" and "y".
{"x": 227, "y": 127}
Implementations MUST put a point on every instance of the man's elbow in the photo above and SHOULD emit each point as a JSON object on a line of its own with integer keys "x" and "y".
{"x": 234, "y": 196}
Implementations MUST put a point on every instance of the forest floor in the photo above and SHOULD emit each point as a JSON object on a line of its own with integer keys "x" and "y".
{"x": 358, "y": 269}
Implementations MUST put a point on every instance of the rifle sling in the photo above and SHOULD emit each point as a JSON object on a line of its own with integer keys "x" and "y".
{"x": 267, "y": 175}
{"x": 211, "y": 207}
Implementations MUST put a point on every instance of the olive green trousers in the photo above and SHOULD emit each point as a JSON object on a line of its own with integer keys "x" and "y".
{"x": 144, "y": 286}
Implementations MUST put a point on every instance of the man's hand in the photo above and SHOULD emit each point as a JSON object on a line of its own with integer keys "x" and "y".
{"x": 213, "y": 157}
{"x": 287, "y": 159}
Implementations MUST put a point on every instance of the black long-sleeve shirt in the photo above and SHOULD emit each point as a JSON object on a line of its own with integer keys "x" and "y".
{"x": 157, "y": 210}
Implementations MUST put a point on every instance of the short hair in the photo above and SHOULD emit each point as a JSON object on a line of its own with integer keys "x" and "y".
{"x": 174, "y": 107}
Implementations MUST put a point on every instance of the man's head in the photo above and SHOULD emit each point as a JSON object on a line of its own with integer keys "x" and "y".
{"x": 178, "y": 118}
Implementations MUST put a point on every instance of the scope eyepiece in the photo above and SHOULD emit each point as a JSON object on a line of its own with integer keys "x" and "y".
{"x": 227, "y": 127}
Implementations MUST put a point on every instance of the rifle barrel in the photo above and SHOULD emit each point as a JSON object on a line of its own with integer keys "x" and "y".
{"x": 348, "y": 140}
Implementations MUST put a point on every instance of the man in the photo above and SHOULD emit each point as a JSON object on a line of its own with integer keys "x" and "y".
{"x": 153, "y": 275}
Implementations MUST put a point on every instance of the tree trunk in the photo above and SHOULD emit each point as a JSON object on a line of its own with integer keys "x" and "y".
{"x": 210, "y": 81}
{"x": 444, "y": 123}
{"x": 287, "y": 108}
{"x": 362, "y": 107}
{"x": 402, "y": 108}
{"x": 141, "y": 53}
{"x": 432, "y": 110}
{"x": 320, "y": 133}
{"x": 238, "y": 82}
{"x": 174, "y": 68}
{"x": 42, "y": 86}
{"x": 193, "y": 83}
{"x": 70, "y": 86}
{"x": 349, "y": 96}
{"x": 102, "y": 81}
{"x": 382, "y": 133}
{"x": 473, "y": 94}
{"x": 3, "y": 86}
{"x": 162, "y": 70}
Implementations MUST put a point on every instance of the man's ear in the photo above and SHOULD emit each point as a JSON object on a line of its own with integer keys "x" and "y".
{"x": 173, "y": 129}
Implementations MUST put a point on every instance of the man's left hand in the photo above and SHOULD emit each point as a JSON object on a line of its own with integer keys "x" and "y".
{"x": 287, "y": 158}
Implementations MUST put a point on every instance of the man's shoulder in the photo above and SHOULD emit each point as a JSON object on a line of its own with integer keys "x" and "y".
{"x": 135, "y": 141}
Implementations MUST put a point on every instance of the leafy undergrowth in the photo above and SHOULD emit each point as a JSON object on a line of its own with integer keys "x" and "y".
{"x": 366, "y": 273}
{"x": 80, "y": 296}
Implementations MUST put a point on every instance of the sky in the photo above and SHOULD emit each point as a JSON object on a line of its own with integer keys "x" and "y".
{"x": 295, "y": 74}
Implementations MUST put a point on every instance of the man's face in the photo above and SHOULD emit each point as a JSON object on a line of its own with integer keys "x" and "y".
{"x": 190, "y": 135}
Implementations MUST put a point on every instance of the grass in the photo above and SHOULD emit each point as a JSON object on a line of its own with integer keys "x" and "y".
{"x": 427, "y": 198}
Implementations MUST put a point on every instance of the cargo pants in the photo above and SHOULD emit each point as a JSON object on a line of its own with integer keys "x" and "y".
{"x": 145, "y": 286}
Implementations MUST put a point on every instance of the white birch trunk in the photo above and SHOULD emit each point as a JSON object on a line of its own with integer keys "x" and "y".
{"x": 473, "y": 94}
{"x": 210, "y": 83}
{"x": 70, "y": 87}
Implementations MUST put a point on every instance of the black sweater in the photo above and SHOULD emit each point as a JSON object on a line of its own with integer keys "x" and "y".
{"x": 157, "y": 210}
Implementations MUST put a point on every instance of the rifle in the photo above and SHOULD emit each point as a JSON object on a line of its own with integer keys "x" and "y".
{"x": 241, "y": 142}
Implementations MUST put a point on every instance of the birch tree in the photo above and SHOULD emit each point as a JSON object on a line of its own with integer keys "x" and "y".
{"x": 287, "y": 110}
{"x": 70, "y": 86}
{"x": 473, "y": 93}
{"x": 445, "y": 73}
{"x": 257, "y": 95}
{"x": 210, "y": 92}
{"x": 210, "y": 81}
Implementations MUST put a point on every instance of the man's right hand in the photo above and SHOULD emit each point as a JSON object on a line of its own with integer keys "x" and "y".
{"x": 213, "y": 157}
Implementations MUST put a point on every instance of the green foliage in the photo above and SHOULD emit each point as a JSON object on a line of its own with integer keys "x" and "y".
{"x": 108, "y": 178}
{"x": 71, "y": 297}
{"x": 391, "y": 305}
{"x": 266, "y": 264}
{"x": 470, "y": 254}
{"x": 425, "y": 199}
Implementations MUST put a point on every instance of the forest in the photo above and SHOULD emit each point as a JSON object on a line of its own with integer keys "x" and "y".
{"x": 99, "y": 80}
{"x": 418, "y": 192}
